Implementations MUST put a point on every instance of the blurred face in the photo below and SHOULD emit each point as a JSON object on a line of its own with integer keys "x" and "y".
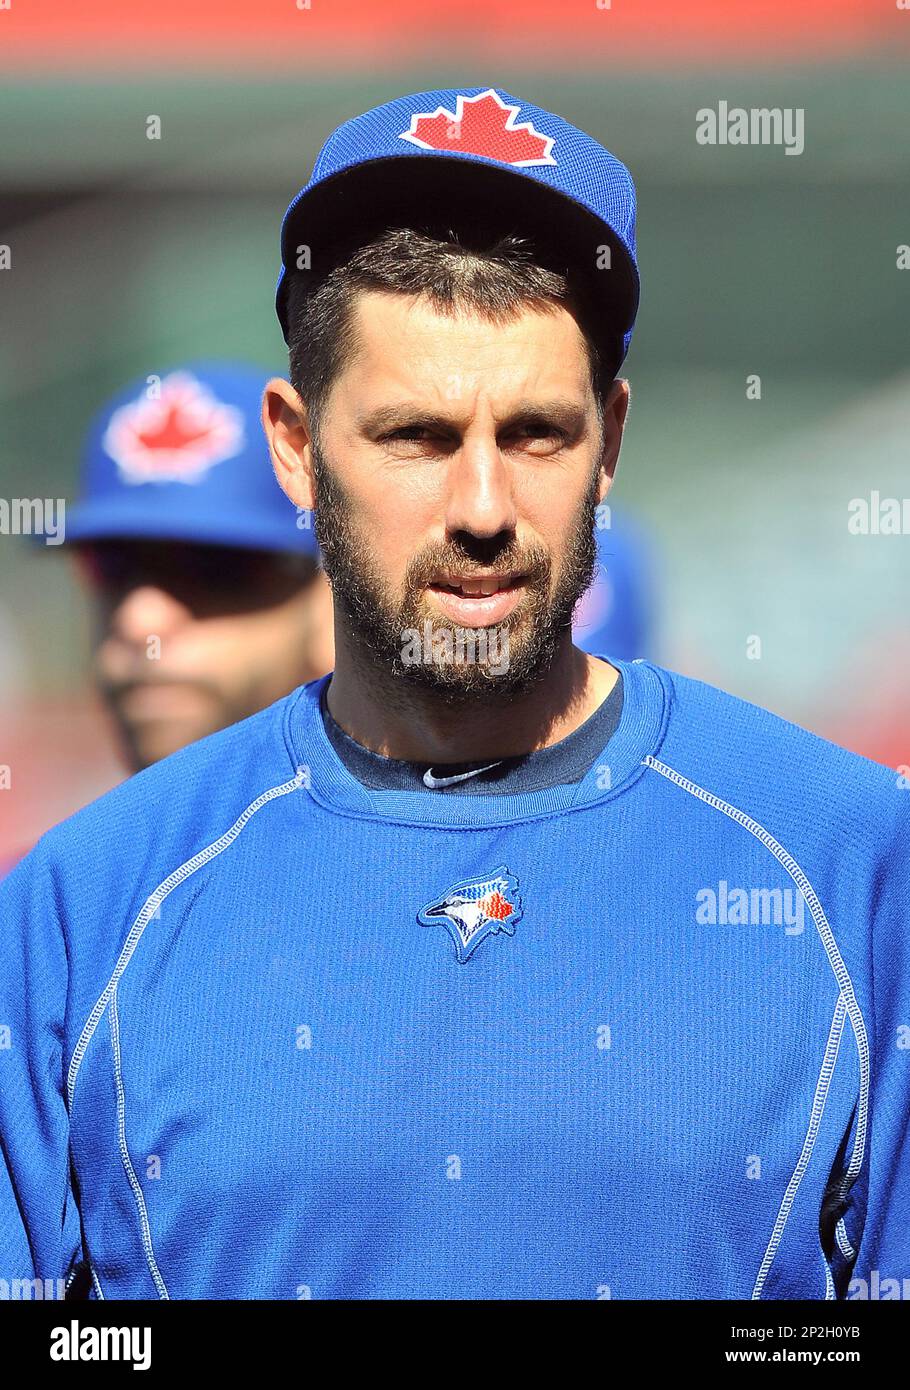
{"x": 455, "y": 479}
{"x": 194, "y": 638}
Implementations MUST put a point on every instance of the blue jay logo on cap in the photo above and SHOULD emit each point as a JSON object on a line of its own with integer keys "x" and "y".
{"x": 177, "y": 436}
{"x": 483, "y": 125}
{"x": 475, "y": 909}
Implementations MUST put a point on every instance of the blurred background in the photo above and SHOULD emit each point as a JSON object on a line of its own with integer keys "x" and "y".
{"x": 128, "y": 255}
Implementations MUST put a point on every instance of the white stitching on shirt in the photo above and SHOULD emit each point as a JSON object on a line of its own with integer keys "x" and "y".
{"x": 109, "y": 995}
{"x": 829, "y": 1062}
{"x": 843, "y": 1240}
{"x": 75, "y": 1270}
{"x": 125, "y": 1154}
{"x": 823, "y": 928}
{"x": 150, "y": 907}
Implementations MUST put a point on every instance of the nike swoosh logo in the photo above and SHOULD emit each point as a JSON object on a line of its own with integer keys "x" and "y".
{"x": 434, "y": 783}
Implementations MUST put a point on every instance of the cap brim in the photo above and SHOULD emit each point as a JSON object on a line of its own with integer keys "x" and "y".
{"x": 442, "y": 193}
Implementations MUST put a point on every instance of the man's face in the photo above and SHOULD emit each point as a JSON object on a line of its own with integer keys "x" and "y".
{"x": 457, "y": 471}
{"x": 194, "y": 638}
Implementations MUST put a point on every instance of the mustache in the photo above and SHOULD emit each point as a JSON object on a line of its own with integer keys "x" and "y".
{"x": 533, "y": 563}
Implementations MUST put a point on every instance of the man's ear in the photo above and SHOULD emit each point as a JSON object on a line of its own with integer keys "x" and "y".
{"x": 616, "y": 408}
{"x": 284, "y": 420}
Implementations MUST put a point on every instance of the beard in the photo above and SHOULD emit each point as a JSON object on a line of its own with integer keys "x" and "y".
{"x": 458, "y": 665}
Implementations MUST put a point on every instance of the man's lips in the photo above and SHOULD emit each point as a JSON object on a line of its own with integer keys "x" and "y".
{"x": 478, "y": 600}
{"x": 474, "y": 585}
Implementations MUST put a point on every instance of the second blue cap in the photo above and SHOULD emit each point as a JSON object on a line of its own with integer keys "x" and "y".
{"x": 182, "y": 456}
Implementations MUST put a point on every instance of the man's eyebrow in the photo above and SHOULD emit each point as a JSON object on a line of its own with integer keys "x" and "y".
{"x": 567, "y": 414}
{"x": 389, "y": 417}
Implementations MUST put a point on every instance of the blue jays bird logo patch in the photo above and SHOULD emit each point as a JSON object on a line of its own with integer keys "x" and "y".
{"x": 474, "y": 909}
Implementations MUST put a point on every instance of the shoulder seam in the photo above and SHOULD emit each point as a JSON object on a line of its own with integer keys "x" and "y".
{"x": 822, "y": 926}
{"x": 829, "y": 1063}
{"x": 148, "y": 911}
{"x": 138, "y": 1194}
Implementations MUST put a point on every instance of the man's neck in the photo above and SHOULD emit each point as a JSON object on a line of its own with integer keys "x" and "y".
{"x": 397, "y": 720}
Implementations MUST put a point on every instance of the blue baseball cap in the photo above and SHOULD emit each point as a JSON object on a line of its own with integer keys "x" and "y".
{"x": 472, "y": 159}
{"x": 182, "y": 457}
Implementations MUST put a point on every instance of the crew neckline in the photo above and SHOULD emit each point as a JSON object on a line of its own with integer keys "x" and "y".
{"x": 325, "y": 778}
{"x": 566, "y": 761}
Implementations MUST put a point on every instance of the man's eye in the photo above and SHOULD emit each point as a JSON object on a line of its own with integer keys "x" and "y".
{"x": 407, "y": 432}
{"x": 540, "y": 429}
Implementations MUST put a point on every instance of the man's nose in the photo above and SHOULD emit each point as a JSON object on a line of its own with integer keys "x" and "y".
{"x": 480, "y": 498}
{"x": 147, "y": 611}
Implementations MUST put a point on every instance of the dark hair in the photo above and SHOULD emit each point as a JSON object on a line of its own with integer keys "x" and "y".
{"x": 497, "y": 279}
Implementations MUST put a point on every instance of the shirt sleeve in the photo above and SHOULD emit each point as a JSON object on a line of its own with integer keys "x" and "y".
{"x": 883, "y": 1254}
{"x": 40, "y": 1229}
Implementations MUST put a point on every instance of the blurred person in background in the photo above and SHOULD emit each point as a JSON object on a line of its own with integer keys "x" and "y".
{"x": 207, "y": 594}
{"x": 208, "y": 597}
{"x": 618, "y": 616}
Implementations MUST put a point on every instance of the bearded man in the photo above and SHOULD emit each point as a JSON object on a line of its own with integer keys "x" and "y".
{"x": 481, "y": 968}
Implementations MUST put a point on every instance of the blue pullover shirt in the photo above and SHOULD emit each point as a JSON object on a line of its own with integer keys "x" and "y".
{"x": 266, "y": 1032}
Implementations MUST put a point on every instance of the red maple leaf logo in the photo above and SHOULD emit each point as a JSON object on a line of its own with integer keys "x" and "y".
{"x": 176, "y": 436}
{"x": 173, "y": 431}
{"x": 484, "y": 125}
